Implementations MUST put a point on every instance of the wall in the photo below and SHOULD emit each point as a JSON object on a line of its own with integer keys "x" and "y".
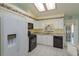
{"x": 13, "y": 23}
{"x": 0, "y": 36}
{"x": 77, "y": 18}
{"x": 78, "y": 26}
{"x": 58, "y": 23}
{"x": 78, "y": 29}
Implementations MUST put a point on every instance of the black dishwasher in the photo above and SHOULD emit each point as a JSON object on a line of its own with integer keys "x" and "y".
{"x": 58, "y": 41}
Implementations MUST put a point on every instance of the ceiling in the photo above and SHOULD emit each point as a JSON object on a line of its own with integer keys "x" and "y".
{"x": 61, "y": 10}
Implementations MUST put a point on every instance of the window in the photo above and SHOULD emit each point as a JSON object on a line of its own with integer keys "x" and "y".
{"x": 40, "y": 6}
{"x": 44, "y": 6}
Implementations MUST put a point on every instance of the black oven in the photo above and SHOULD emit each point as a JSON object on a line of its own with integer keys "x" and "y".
{"x": 32, "y": 42}
{"x": 30, "y": 25}
{"x": 32, "y": 38}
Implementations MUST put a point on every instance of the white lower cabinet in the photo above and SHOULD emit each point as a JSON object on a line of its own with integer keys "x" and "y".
{"x": 45, "y": 39}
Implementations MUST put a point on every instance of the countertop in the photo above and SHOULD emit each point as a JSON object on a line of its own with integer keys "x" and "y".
{"x": 52, "y": 32}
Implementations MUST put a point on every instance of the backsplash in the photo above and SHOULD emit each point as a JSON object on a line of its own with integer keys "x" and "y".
{"x": 49, "y": 27}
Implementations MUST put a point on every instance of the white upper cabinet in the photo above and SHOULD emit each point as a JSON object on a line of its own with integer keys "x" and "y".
{"x": 57, "y": 23}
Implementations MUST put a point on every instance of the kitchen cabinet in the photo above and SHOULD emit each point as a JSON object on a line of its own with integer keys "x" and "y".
{"x": 45, "y": 39}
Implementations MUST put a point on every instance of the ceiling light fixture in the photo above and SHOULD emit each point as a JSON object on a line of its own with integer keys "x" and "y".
{"x": 40, "y": 6}
{"x": 50, "y": 6}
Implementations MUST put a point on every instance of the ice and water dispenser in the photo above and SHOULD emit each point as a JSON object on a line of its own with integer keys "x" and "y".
{"x": 11, "y": 39}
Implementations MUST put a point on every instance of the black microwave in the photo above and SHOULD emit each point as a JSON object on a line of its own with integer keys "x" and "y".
{"x": 30, "y": 25}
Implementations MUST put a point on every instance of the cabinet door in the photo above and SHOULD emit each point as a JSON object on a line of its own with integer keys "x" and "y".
{"x": 45, "y": 39}
{"x": 58, "y": 42}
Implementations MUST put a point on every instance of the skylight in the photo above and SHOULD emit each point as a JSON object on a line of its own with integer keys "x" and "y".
{"x": 50, "y": 6}
{"x": 44, "y": 6}
{"x": 40, "y": 6}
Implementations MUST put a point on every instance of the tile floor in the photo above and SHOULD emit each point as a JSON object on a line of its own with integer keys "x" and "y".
{"x": 43, "y": 50}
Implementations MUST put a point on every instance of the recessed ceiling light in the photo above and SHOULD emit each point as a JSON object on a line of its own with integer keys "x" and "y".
{"x": 50, "y": 6}
{"x": 40, "y": 6}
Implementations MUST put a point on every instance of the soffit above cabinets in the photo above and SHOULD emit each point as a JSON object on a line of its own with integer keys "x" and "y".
{"x": 60, "y": 10}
